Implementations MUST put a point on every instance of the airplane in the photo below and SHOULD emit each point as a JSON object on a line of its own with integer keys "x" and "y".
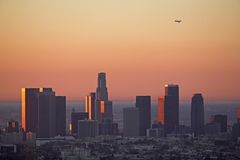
{"x": 178, "y": 21}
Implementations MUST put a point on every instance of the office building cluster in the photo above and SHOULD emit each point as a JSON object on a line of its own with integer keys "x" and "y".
{"x": 43, "y": 112}
{"x": 137, "y": 120}
{"x": 98, "y": 116}
{"x": 94, "y": 134}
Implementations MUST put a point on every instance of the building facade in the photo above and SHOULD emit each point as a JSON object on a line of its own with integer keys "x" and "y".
{"x": 197, "y": 114}
{"x": 221, "y": 119}
{"x": 75, "y": 117}
{"x": 43, "y": 112}
{"x": 60, "y": 110}
{"x": 87, "y": 128}
{"x": 90, "y": 105}
{"x": 171, "y": 108}
{"x": 29, "y": 109}
{"x": 131, "y": 122}
{"x": 103, "y": 108}
{"x": 160, "y": 110}
{"x": 143, "y": 103}
{"x": 46, "y": 114}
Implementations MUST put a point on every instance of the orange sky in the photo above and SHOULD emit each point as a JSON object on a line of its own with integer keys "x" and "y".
{"x": 64, "y": 44}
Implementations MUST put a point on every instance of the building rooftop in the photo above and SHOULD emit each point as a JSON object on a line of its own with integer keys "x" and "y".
{"x": 171, "y": 85}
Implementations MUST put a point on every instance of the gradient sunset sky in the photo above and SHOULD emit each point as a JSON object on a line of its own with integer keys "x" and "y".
{"x": 64, "y": 44}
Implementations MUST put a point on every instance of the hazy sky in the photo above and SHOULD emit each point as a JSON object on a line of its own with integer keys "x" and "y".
{"x": 64, "y": 44}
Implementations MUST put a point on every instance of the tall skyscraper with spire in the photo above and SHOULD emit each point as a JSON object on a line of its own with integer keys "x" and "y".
{"x": 197, "y": 114}
{"x": 102, "y": 92}
{"x": 103, "y": 108}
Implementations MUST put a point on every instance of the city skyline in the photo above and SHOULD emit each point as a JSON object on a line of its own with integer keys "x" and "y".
{"x": 45, "y": 114}
{"x": 132, "y": 97}
{"x": 46, "y": 122}
{"x": 127, "y": 79}
{"x": 64, "y": 44}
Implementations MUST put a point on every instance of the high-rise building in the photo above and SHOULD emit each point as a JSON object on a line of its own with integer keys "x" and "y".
{"x": 90, "y": 105}
{"x": 75, "y": 117}
{"x": 131, "y": 122}
{"x": 103, "y": 108}
{"x": 60, "y": 110}
{"x": 143, "y": 103}
{"x": 87, "y": 128}
{"x": 160, "y": 110}
{"x": 102, "y": 92}
{"x": 29, "y": 109}
{"x": 171, "y": 108}
{"x": 12, "y": 126}
{"x": 39, "y": 114}
{"x": 197, "y": 114}
{"x": 221, "y": 119}
{"x": 46, "y": 114}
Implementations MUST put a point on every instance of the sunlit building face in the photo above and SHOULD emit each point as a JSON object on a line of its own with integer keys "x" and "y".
{"x": 160, "y": 111}
{"x": 29, "y": 108}
{"x": 102, "y": 107}
{"x": 23, "y": 109}
{"x": 88, "y": 105}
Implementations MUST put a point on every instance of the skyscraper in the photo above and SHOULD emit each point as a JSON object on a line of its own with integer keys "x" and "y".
{"x": 103, "y": 108}
{"x": 131, "y": 121}
{"x": 102, "y": 92}
{"x": 197, "y": 114}
{"x": 46, "y": 114}
{"x": 39, "y": 111}
{"x": 29, "y": 109}
{"x": 90, "y": 105}
{"x": 143, "y": 103}
{"x": 171, "y": 108}
{"x": 60, "y": 110}
{"x": 75, "y": 117}
{"x": 104, "y": 111}
{"x": 160, "y": 110}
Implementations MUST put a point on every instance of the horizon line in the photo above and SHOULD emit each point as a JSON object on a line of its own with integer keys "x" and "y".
{"x": 133, "y": 99}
